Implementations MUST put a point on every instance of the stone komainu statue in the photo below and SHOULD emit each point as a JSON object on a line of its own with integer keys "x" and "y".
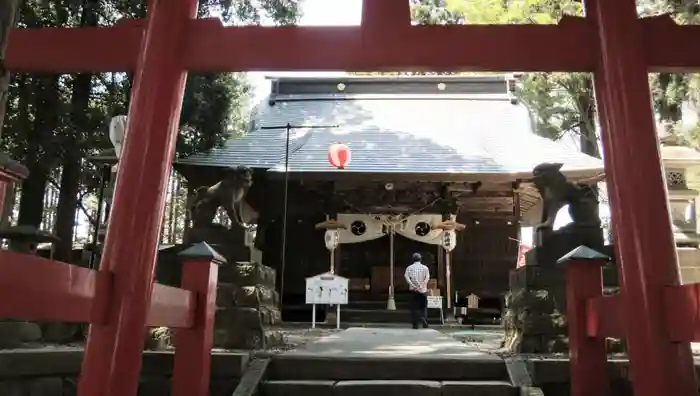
{"x": 556, "y": 192}
{"x": 227, "y": 194}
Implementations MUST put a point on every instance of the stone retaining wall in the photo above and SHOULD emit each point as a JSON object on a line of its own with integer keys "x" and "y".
{"x": 552, "y": 374}
{"x": 54, "y": 372}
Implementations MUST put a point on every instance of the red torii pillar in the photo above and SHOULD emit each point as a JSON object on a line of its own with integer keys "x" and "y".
{"x": 617, "y": 54}
{"x": 112, "y": 362}
{"x": 639, "y": 201}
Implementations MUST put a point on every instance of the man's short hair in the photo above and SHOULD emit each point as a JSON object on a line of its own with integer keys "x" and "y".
{"x": 416, "y": 257}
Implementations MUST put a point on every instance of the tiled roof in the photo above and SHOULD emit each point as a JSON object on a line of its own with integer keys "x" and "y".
{"x": 389, "y": 133}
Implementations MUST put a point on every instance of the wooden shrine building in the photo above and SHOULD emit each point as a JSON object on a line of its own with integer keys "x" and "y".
{"x": 423, "y": 148}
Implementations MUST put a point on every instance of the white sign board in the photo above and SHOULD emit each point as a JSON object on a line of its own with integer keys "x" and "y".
{"x": 327, "y": 289}
{"x": 435, "y": 302}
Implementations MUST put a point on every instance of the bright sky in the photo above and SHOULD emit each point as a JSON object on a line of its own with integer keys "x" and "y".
{"x": 315, "y": 13}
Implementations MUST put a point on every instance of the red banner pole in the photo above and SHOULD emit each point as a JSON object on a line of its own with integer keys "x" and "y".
{"x": 645, "y": 245}
{"x": 112, "y": 362}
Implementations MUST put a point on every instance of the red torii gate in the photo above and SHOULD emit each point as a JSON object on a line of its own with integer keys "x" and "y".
{"x": 611, "y": 42}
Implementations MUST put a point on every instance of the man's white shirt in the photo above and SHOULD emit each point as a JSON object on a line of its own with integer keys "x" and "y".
{"x": 417, "y": 276}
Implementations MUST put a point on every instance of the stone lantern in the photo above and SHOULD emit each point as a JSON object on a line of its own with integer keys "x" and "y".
{"x": 678, "y": 160}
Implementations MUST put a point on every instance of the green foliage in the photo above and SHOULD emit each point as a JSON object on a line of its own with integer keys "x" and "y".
{"x": 214, "y": 106}
{"x": 560, "y": 103}
{"x": 563, "y": 102}
{"x": 214, "y": 109}
{"x": 55, "y": 120}
{"x": 513, "y": 11}
{"x": 282, "y": 12}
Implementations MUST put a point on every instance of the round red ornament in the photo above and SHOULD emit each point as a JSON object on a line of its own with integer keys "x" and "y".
{"x": 339, "y": 155}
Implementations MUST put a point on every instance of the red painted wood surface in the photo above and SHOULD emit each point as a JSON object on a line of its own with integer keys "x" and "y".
{"x": 52, "y": 290}
{"x": 171, "y": 307}
{"x": 682, "y": 305}
{"x": 6, "y": 177}
{"x": 41, "y": 289}
{"x": 612, "y": 42}
{"x": 604, "y": 317}
{"x": 209, "y": 46}
{"x": 588, "y": 359}
{"x": 646, "y": 246}
{"x": 112, "y": 362}
{"x": 192, "y": 365}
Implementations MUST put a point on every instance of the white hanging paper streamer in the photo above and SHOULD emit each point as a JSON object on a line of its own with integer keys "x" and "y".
{"x": 249, "y": 238}
{"x": 449, "y": 240}
{"x": 376, "y": 227}
{"x": 332, "y": 239}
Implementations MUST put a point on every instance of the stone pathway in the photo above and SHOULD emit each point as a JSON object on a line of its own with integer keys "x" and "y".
{"x": 485, "y": 339}
{"x": 391, "y": 342}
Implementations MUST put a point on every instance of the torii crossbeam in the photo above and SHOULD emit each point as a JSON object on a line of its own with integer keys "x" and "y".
{"x": 612, "y": 42}
{"x": 209, "y": 46}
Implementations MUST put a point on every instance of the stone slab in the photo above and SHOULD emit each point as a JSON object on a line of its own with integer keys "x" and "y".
{"x": 298, "y": 388}
{"x": 478, "y": 388}
{"x": 410, "y": 368}
{"x": 50, "y": 362}
{"x": 48, "y": 386}
{"x": 387, "y": 354}
{"x": 388, "y": 388}
{"x": 252, "y": 378}
{"x": 388, "y": 342}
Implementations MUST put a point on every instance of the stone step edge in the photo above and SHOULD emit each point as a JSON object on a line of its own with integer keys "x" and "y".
{"x": 321, "y": 382}
{"x": 361, "y": 387}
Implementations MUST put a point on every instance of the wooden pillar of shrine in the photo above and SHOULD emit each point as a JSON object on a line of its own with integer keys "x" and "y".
{"x": 647, "y": 257}
{"x": 112, "y": 362}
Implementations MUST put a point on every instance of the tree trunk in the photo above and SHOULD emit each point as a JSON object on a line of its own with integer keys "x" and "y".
{"x": 587, "y": 130}
{"x": 169, "y": 206}
{"x": 31, "y": 203}
{"x": 24, "y": 91}
{"x": 669, "y": 108}
{"x": 72, "y": 164}
{"x": 8, "y": 17}
{"x": 67, "y": 206}
{"x": 46, "y": 104}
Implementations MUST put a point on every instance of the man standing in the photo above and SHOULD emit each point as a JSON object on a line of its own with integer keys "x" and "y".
{"x": 417, "y": 276}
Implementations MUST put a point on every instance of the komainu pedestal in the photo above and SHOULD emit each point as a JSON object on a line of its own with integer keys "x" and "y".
{"x": 535, "y": 315}
{"x": 247, "y": 305}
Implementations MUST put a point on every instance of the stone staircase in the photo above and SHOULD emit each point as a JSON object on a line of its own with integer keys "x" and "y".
{"x": 290, "y": 375}
{"x": 387, "y": 362}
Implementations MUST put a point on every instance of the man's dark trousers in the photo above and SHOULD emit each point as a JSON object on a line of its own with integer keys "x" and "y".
{"x": 419, "y": 310}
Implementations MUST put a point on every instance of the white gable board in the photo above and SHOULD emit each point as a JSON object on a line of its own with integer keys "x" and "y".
{"x": 327, "y": 289}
